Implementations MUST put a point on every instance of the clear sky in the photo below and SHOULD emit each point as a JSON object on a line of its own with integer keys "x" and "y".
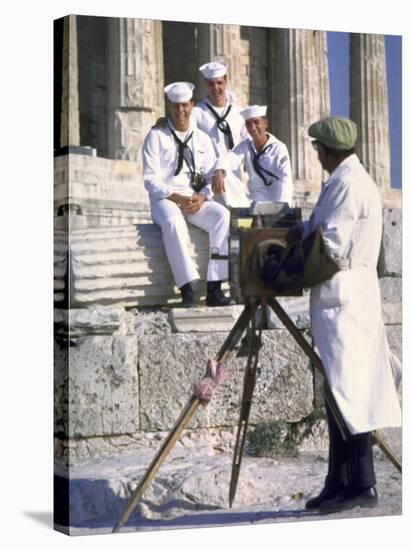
{"x": 338, "y": 48}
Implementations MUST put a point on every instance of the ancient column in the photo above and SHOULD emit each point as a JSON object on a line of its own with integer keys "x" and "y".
{"x": 135, "y": 84}
{"x": 216, "y": 42}
{"x": 70, "y": 128}
{"x": 369, "y": 104}
{"x": 298, "y": 95}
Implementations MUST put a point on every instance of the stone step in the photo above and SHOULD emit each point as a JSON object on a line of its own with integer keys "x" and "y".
{"x": 122, "y": 265}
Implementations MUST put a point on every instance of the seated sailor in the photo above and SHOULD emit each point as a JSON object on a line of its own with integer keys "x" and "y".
{"x": 178, "y": 163}
{"x": 265, "y": 157}
{"x": 219, "y": 116}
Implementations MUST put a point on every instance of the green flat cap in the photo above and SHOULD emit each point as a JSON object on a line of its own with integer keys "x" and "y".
{"x": 336, "y": 132}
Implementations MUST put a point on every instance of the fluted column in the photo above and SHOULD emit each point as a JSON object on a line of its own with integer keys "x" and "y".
{"x": 369, "y": 104}
{"x": 135, "y": 84}
{"x": 299, "y": 95}
{"x": 70, "y": 127}
{"x": 220, "y": 43}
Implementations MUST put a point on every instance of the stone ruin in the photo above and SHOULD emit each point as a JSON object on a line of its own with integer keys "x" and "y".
{"x": 126, "y": 360}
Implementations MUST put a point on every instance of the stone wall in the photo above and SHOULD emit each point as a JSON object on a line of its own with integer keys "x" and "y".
{"x": 92, "y": 44}
{"x": 254, "y": 63}
{"x": 180, "y": 54}
{"x": 102, "y": 192}
{"x": 120, "y": 373}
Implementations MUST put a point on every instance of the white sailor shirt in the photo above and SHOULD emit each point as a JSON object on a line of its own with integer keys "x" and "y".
{"x": 160, "y": 159}
{"x": 275, "y": 165}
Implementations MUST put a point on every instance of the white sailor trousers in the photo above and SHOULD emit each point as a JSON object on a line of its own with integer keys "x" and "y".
{"x": 212, "y": 218}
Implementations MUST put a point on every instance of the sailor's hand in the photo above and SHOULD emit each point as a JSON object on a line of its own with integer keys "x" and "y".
{"x": 218, "y": 182}
{"x": 194, "y": 204}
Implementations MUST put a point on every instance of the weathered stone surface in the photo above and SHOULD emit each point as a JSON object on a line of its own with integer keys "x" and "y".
{"x": 204, "y": 319}
{"x": 298, "y": 94}
{"x": 390, "y": 260}
{"x": 391, "y": 294}
{"x": 369, "y": 104}
{"x": 127, "y": 265}
{"x": 191, "y": 490}
{"x": 98, "y": 320}
{"x": 170, "y": 365}
{"x": 69, "y": 101}
{"x": 105, "y": 192}
{"x": 135, "y": 48}
{"x": 297, "y": 309}
{"x": 60, "y": 261}
{"x": 96, "y": 386}
{"x": 394, "y": 334}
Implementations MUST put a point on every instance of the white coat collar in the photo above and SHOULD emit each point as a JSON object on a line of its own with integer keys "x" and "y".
{"x": 346, "y": 164}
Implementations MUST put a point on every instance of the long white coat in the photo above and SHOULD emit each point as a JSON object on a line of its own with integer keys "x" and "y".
{"x": 346, "y": 314}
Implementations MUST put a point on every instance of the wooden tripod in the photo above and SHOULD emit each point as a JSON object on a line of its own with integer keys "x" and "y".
{"x": 248, "y": 315}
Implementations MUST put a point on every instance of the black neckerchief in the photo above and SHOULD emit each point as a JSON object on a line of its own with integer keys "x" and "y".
{"x": 223, "y": 124}
{"x": 185, "y": 153}
{"x": 258, "y": 168}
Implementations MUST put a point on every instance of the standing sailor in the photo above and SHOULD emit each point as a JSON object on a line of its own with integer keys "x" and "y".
{"x": 346, "y": 318}
{"x": 220, "y": 118}
{"x": 265, "y": 157}
{"x": 178, "y": 163}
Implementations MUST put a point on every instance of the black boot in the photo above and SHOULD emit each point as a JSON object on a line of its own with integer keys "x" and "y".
{"x": 329, "y": 492}
{"x": 187, "y": 295}
{"x": 350, "y": 498}
{"x": 215, "y": 296}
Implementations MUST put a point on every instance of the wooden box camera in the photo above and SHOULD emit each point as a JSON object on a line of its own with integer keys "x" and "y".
{"x": 250, "y": 226}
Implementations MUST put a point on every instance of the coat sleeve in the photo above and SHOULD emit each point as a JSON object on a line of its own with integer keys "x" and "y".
{"x": 152, "y": 170}
{"x": 338, "y": 219}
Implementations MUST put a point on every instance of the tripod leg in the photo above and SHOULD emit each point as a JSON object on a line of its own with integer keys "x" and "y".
{"x": 248, "y": 388}
{"x": 315, "y": 359}
{"x": 184, "y": 418}
{"x": 380, "y": 441}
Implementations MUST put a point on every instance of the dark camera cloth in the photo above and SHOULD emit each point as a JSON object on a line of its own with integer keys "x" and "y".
{"x": 302, "y": 264}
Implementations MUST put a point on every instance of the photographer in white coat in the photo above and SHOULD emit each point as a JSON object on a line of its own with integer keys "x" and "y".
{"x": 265, "y": 157}
{"x": 346, "y": 318}
{"x": 178, "y": 163}
{"x": 219, "y": 117}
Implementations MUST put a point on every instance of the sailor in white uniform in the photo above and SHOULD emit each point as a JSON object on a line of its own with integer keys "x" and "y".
{"x": 178, "y": 163}
{"x": 265, "y": 157}
{"x": 219, "y": 116}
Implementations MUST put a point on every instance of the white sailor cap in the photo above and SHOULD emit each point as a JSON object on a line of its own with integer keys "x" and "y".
{"x": 179, "y": 92}
{"x": 214, "y": 69}
{"x": 254, "y": 111}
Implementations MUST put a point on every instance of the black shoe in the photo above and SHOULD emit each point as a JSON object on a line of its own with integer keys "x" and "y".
{"x": 327, "y": 493}
{"x": 187, "y": 296}
{"x": 215, "y": 296}
{"x": 350, "y": 498}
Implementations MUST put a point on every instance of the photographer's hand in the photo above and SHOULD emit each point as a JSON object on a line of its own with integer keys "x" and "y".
{"x": 295, "y": 233}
